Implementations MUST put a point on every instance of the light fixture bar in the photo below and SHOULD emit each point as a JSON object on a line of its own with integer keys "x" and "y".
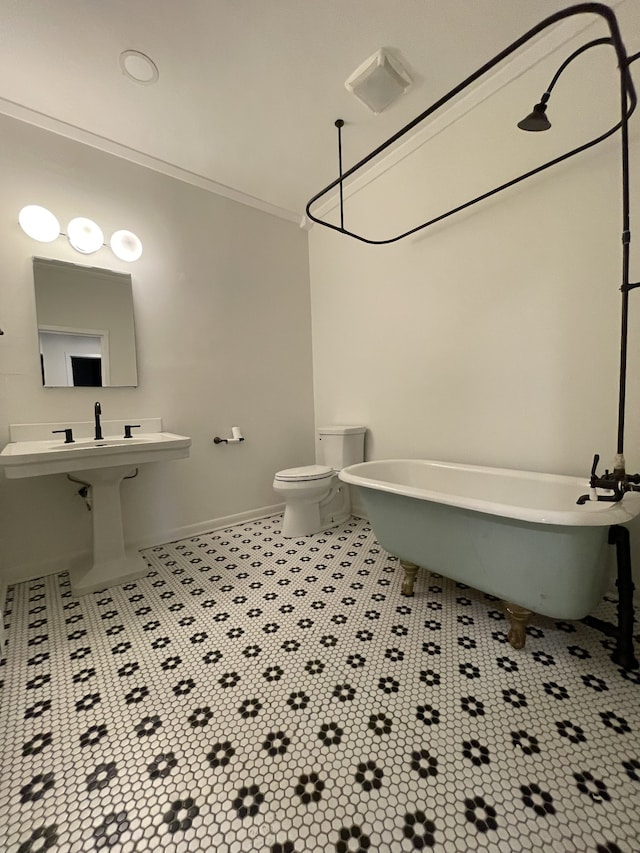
{"x": 83, "y": 234}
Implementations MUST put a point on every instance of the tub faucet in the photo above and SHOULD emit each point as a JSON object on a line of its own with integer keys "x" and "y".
{"x": 97, "y": 411}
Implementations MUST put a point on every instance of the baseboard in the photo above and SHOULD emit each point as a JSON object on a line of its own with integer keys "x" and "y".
{"x": 41, "y": 568}
{"x": 189, "y": 530}
{"x": 29, "y": 571}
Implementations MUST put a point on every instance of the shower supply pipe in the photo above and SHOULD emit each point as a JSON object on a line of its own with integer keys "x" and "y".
{"x": 617, "y": 481}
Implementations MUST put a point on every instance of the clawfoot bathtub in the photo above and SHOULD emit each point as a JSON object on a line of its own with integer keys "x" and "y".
{"x": 517, "y": 535}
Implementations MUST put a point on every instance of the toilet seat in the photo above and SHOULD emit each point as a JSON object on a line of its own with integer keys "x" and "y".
{"x": 305, "y": 473}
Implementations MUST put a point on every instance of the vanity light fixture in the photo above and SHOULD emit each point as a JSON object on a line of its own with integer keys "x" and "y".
{"x": 84, "y": 234}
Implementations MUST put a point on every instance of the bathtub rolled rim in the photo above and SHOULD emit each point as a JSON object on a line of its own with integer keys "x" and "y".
{"x": 590, "y": 514}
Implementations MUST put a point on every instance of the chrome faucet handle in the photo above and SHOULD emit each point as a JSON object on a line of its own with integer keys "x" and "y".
{"x": 128, "y": 428}
{"x": 68, "y": 434}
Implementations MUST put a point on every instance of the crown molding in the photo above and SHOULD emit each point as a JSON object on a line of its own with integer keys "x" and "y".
{"x": 102, "y": 143}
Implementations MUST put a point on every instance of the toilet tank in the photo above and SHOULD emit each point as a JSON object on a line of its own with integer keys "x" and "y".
{"x": 341, "y": 445}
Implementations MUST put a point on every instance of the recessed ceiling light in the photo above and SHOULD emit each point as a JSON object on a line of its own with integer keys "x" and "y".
{"x": 138, "y": 67}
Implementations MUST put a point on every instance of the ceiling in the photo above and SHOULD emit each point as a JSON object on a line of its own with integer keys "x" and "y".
{"x": 248, "y": 90}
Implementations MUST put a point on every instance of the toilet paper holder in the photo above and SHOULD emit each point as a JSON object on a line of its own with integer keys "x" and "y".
{"x": 236, "y": 437}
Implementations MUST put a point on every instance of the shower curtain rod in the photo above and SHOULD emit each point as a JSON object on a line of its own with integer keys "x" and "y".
{"x": 629, "y": 101}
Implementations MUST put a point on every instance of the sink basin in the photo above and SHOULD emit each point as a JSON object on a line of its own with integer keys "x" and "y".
{"x": 35, "y": 458}
{"x": 102, "y": 465}
{"x": 102, "y": 442}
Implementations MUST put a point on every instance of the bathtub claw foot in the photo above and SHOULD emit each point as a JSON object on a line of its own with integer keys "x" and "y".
{"x": 410, "y": 572}
{"x": 518, "y": 618}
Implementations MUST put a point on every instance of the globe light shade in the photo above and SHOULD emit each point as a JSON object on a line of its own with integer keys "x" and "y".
{"x": 84, "y": 235}
{"x": 39, "y": 223}
{"x": 126, "y": 246}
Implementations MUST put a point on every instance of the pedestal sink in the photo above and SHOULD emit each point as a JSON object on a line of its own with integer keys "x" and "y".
{"x": 103, "y": 465}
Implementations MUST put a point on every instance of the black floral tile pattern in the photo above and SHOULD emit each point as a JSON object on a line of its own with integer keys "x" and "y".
{"x": 256, "y": 693}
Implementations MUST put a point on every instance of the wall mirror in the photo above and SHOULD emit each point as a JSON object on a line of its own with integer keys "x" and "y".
{"x": 85, "y": 325}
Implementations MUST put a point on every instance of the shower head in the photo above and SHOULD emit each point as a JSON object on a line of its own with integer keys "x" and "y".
{"x": 536, "y": 120}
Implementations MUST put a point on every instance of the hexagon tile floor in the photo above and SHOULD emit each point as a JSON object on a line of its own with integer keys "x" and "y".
{"x": 256, "y": 693}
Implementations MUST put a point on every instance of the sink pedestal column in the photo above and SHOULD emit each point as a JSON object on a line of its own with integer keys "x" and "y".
{"x": 112, "y": 563}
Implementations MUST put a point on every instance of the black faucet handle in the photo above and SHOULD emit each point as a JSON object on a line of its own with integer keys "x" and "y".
{"x": 128, "y": 428}
{"x": 68, "y": 434}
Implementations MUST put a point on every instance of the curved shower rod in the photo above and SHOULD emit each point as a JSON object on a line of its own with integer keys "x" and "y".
{"x": 628, "y": 105}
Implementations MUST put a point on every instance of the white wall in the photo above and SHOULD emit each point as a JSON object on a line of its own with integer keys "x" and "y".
{"x": 222, "y": 315}
{"x": 493, "y": 338}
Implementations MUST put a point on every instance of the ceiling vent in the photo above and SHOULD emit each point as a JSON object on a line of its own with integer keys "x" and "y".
{"x": 139, "y": 67}
{"x": 379, "y": 81}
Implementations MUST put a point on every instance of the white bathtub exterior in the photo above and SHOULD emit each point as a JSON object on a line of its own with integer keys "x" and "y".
{"x": 518, "y": 535}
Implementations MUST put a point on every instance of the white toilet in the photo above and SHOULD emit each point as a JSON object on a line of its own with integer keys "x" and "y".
{"x": 314, "y": 497}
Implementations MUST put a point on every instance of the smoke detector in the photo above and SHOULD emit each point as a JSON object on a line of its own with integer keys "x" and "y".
{"x": 379, "y": 81}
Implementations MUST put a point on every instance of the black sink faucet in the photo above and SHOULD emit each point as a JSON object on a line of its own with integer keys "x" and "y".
{"x": 97, "y": 411}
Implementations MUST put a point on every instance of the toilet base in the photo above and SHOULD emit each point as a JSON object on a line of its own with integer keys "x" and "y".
{"x": 304, "y": 519}
{"x": 301, "y": 519}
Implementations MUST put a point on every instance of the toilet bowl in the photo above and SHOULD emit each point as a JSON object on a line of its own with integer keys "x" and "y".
{"x": 315, "y": 499}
